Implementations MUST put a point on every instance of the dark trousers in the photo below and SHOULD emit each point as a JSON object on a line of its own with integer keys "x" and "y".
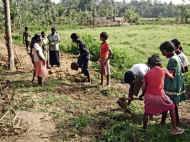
{"x": 54, "y": 58}
{"x": 83, "y": 64}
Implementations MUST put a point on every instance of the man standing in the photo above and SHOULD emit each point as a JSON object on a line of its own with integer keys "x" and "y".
{"x": 54, "y": 40}
{"x": 26, "y": 38}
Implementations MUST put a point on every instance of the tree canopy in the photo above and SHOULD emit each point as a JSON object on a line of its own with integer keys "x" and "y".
{"x": 46, "y": 13}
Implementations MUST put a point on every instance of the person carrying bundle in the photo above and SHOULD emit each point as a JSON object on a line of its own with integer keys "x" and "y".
{"x": 84, "y": 55}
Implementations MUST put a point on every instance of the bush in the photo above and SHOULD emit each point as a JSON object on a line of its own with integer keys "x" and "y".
{"x": 131, "y": 16}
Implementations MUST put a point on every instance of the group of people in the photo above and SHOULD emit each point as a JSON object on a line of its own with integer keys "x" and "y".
{"x": 104, "y": 57}
{"x": 44, "y": 52}
{"x": 162, "y": 89}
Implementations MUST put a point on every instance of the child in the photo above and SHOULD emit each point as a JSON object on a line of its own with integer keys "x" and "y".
{"x": 26, "y": 38}
{"x": 174, "y": 88}
{"x": 134, "y": 77}
{"x": 155, "y": 100}
{"x": 39, "y": 61}
{"x": 181, "y": 55}
{"x": 84, "y": 56}
{"x": 105, "y": 54}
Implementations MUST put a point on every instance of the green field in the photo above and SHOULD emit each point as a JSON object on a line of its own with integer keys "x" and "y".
{"x": 130, "y": 44}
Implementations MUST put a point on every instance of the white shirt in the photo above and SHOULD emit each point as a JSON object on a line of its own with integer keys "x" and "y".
{"x": 183, "y": 60}
{"x": 37, "y": 48}
{"x": 54, "y": 42}
{"x": 140, "y": 70}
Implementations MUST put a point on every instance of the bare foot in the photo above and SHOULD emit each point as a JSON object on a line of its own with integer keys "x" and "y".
{"x": 177, "y": 131}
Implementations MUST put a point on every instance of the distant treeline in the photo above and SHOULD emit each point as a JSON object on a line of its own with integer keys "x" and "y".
{"x": 82, "y": 12}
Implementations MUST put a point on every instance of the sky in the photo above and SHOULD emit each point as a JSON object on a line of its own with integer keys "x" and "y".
{"x": 173, "y": 1}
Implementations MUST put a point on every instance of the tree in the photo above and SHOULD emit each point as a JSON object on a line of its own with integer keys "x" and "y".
{"x": 131, "y": 16}
{"x": 8, "y": 36}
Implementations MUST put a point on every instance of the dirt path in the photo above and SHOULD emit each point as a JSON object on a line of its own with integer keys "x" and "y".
{"x": 64, "y": 95}
{"x": 40, "y": 127}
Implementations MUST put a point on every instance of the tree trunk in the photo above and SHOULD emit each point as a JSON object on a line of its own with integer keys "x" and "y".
{"x": 8, "y": 36}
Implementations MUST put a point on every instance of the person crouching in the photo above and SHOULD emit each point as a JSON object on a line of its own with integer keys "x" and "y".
{"x": 84, "y": 57}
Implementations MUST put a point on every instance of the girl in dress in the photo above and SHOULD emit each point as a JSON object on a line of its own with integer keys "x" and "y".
{"x": 174, "y": 88}
{"x": 155, "y": 100}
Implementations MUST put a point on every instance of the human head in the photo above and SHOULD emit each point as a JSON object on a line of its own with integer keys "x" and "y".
{"x": 103, "y": 36}
{"x": 74, "y": 37}
{"x": 43, "y": 34}
{"x": 177, "y": 45}
{"x": 53, "y": 30}
{"x": 129, "y": 77}
{"x": 167, "y": 48}
{"x": 154, "y": 60}
{"x": 26, "y": 28}
{"x": 38, "y": 38}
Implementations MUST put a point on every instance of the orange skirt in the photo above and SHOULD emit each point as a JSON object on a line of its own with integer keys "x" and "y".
{"x": 40, "y": 69}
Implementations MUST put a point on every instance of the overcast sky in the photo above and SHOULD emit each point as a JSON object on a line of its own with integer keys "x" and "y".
{"x": 174, "y": 1}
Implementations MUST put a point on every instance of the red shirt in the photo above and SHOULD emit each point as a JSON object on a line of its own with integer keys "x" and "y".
{"x": 154, "y": 81}
{"x": 104, "y": 50}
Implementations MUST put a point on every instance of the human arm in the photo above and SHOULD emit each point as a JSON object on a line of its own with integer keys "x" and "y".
{"x": 169, "y": 74}
{"x": 172, "y": 67}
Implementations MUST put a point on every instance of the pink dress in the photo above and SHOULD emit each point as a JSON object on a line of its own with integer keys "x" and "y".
{"x": 156, "y": 102}
{"x": 39, "y": 65}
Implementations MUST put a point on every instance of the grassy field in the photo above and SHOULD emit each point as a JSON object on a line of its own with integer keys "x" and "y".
{"x": 130, "y": 44}
{"x": 86, "y": 115}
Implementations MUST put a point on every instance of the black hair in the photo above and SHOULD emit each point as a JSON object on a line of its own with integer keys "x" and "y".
{"x": 154, "y": 60}
{"x": 177, "y": 44}
{"x": 42, "y": 33}
{"x": 37, "y": 37}
{"x": 53, "y": 29}
{"x": 129, "y": 77}
{"x": 74, "y": 36}
{"x": 167, "y": 46}
{"x": 26, "y": 28}
{"x": 104, "y": 35}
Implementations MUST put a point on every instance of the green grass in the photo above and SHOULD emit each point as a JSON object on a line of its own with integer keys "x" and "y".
{"x": 130, "y": 44}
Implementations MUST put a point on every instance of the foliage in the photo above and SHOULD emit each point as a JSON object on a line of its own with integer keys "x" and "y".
{"x": 44, "y": 13}
{"x": 131, "y": 16}
{"x": 81, "y": 121}
{"x": 126, "y": 131}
